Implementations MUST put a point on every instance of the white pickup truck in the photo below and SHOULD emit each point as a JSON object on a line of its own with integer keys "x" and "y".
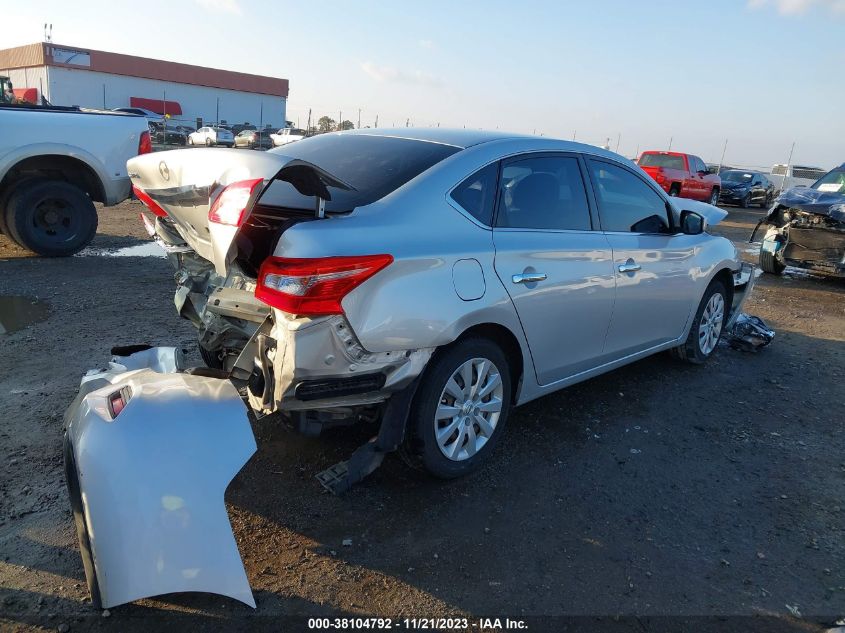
{"x": 287, "y": 135}
{"x": 54, "y": 164}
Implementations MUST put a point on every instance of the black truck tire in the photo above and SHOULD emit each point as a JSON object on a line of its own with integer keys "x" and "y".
{"x": 770, "y": 264}
{"x": 52, "y": 218}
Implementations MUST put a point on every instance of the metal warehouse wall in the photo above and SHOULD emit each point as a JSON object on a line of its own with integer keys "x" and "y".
{"x": 85, "y": 88}
{"x": 35, "y": 77}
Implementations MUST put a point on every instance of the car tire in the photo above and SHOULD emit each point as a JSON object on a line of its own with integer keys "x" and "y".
{"x": 208, "y": 142}
{"x": 675, "y": 190}
{"x": 714, "y": 197}
{"x": 473, "y": 436}
{"x": 769, "y": 263}
{"x": 52, "y": 218}
{"x": 707, "y": 326}
{"x": 4, "y": 200}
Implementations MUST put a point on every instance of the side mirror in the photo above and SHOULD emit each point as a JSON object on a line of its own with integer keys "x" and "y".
{"x": 692, "y": 223}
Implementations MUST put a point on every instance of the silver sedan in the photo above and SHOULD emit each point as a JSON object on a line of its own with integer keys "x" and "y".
{"x": 433, "y": 279}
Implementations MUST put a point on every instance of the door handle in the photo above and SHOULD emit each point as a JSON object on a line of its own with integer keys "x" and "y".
{"x": 527, "y": 278}
{"x": 629, "y": 267}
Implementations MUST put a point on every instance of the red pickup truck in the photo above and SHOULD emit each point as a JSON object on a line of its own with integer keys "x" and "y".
{"x": 683, "y": 175}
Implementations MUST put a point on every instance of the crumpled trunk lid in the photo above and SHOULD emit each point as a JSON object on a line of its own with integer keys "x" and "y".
{"x": 185, "y": 183}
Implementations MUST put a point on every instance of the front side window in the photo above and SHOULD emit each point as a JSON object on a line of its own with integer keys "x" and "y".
{"x": 477, "y": 194}
{"x": 626, "y": 203}
{"x": 543, "y": 193}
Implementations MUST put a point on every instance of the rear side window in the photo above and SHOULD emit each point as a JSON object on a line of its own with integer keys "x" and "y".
{"x": 477, "y": 194}
{"x": 626, "y": 202}
{"x": 662, "y": 160}
{"x": 543, "y": 193}
{"x": 373, "y": 165}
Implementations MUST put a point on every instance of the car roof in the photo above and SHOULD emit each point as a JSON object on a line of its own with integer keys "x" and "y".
{"x": 744, "y": 171}
{"x": 455, "y": 137}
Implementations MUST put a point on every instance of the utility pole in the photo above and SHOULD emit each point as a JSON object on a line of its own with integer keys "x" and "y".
{"x": 574, "y": 132}
{"x": 339, "y": 119}
{"x": 104, "y": 96}
{"x": 217, "y": 113}
{"x": 722, "y": 160}
{"x": 376, "y": 125}
{"x": 618, "y": 138}
{"x": 359, "y": 118}
{"x": 788, "y": 163}
{"x": 670, "y": 143}
{"x": 308, "y": 129}
{"x": 408, "y": 122}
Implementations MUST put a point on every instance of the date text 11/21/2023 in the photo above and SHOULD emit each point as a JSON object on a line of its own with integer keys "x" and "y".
{"x": 438, "y": 624}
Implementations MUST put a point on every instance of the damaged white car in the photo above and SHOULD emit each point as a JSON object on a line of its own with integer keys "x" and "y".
{"x": 426, "y": 280}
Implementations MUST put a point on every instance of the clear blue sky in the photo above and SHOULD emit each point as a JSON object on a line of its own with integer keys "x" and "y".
{"x": 761, "y": 73}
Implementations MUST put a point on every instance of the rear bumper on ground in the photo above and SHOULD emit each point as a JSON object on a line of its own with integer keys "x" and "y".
{"x": 147, "y": 484}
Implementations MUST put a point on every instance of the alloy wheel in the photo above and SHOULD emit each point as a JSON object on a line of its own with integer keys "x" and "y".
{"x": 469, "y": 409}
{"x": 710, "y": 326}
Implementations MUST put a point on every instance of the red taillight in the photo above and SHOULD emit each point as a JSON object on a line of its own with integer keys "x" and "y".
{"x": 314, "y": 287}
{"x": 145, "y": 144}
{"x": 232, "y": 202}
{"x": 149, "y": 202}
{"x": 117, "y": 401}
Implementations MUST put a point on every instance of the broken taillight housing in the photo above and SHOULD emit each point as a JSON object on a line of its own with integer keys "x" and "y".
{"x": 117, "y": 401}
{"x": 314, "y": 286}
{"x": 149, "y": 202}
{"x": 145, "y": 143}
{"x": 233, "y": 201}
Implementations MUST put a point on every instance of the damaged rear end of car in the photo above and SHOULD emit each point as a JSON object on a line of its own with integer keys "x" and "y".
{"x": 274, "y": 322}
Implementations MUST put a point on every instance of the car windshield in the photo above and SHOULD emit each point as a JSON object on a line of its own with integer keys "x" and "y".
{"x": 661, "y": 160}
{"x": 736, "y": 176}
{"x": 373, "y": 165}
{"x": 831, "y": 182}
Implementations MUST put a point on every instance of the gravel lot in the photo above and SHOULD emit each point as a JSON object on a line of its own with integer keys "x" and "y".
{"x": 657, "y": 490}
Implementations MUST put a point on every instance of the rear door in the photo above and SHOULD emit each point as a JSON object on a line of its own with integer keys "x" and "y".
{"x": 652, "y": 266}
{"x": 554, "y": 262}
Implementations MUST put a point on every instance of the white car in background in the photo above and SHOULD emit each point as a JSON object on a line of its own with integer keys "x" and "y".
{"x": 287, "y": 135}
{"x": 210, "y": 136}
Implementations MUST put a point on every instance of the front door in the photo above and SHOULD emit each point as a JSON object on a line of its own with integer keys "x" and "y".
{"x": 653, "y": 265}
{"x": 555, "y": 264}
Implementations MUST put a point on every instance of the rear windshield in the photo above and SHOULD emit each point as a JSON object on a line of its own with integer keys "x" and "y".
{"x": 374, "y": 165}
{"x": 736, "y": 176}
{"x": 662, "y": 160}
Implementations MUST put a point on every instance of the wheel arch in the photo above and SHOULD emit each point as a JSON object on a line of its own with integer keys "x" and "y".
{"x": 509, "y": 344}
{"x": 69, "y": 169}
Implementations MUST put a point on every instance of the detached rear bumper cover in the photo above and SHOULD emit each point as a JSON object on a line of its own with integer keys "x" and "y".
{"x": 147, "y": 487}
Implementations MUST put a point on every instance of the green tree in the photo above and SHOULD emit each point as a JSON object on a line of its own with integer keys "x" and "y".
{"x": 347, "y": 125}
{"x": 325, "y": 124}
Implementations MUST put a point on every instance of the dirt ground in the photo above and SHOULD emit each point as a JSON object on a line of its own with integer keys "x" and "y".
{"x": 657, "y": 490}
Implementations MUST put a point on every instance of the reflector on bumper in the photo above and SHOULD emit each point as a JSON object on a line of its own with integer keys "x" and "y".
{"x": 147, "y": 485}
